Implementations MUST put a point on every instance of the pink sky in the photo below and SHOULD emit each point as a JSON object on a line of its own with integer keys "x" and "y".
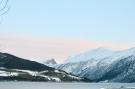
{"x": 59, "y": 48}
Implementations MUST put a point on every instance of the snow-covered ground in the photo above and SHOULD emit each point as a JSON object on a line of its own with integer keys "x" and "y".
{"x": 6, "y": 74}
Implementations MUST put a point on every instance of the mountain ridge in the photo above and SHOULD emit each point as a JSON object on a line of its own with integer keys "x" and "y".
{"x": 98, "y": 69}
{"x": 19, "y": 69}
{"x": 94, "y": 53}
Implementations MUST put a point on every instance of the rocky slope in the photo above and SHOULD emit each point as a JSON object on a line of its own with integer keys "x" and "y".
{"x": 15, "y": 68}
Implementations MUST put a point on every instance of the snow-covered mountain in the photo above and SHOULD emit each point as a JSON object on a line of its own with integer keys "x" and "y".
{"x": 15, "y": 68}
{"x": 50, "y": 62}
{"x": 95, "y": 54}
{"x": 103, "y": 65}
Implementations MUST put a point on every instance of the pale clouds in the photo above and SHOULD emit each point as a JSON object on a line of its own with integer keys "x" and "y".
{"x": 40, "y": 49}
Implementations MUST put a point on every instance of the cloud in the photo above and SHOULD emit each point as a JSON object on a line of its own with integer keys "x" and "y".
{"x": 40, "y": 49}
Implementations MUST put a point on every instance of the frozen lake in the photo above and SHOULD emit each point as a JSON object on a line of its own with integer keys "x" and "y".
{"x": 44, "y": 85}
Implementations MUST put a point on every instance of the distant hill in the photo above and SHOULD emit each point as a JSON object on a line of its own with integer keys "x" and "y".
{"x": 50, "y": 62}
{"x": 12, "y": 62}
{"x": 15, "y": 68}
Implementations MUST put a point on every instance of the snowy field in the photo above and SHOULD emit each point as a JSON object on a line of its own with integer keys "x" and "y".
{"x": 43, "y": 85}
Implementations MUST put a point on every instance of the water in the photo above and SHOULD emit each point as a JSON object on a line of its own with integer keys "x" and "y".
{"x": 43, "y": 85}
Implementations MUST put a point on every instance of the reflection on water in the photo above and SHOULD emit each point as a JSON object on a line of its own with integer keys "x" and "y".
{"x": 44, "y": 85}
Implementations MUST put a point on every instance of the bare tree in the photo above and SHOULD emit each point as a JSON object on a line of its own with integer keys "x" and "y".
{"x": 4, "y": 8}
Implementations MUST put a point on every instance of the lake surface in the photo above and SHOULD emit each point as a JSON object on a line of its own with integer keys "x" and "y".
{"x": 44, "y": 85}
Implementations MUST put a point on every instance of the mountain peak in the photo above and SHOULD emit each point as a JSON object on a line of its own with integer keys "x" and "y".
{"x": 92, "y": 54}
{"x": 101, "y": 49}
{"x": 50, "y": 62}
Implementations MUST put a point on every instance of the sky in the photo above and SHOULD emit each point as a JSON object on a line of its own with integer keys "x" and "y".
{"x": 43, "y": 29}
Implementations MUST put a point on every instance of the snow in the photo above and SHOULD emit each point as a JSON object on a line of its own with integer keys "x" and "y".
{"x": 92, "y": 54}
{"x": 74, "y": 77}
{"x": 5, "y": 74}
{"x": 50, "y": 78}
{"x": 89, "y": 63}
{"x": 119, "y": 55}
{"x": 57, "y": 71}
{"x": 16, "y": 72}
{"x": 13, "y": 74}
{"x": 44, "y": 76}
{"x": 50, "y": 62}
{"x": 100, "y": 54}
{"x": 33, "y": 73}
{"x": 44, "y": 71}
{"x": 56, "y": 79}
